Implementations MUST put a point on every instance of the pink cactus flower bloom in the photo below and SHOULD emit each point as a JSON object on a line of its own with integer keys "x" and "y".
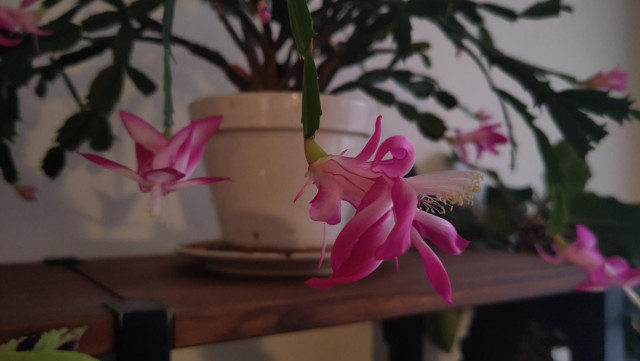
{"x": 19, "y": 21}
{"x": 615, "y": 79}
{"x": 263, "y": 12}
{"x": 482, "y": 115}
{"x": 485, "y": 138}
{"x": 26, "y": 192}
{"x": 387, "y": 221}
{"x": 602, "y": 272}
{"x": 164, "y": 164}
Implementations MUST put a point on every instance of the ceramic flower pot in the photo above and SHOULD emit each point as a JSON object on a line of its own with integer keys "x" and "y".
{"x": 259, "y": 146}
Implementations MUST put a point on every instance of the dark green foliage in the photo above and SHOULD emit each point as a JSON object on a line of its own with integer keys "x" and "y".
{"x": 615, "y": 223}
{"x": 144, "y": 84}
{"x": 101, "y": 21}
{"x": 54, "y": 162}
{"x": 105, "y": 89}
{"x": 100, "y": 134}
{"x": 545, "y": 9}
{"x": 431, "y": 126}
{"x": 9, "y": 171}
{"x": 446, "y": 99}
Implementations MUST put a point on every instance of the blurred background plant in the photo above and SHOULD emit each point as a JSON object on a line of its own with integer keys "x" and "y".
{"x": 349, "y": 33}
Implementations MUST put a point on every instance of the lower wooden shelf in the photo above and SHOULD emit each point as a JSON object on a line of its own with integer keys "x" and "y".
{"x": 211, "y": 308}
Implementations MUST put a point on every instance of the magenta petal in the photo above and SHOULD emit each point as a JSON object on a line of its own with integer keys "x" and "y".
{"x": 440, "y": 232}
{"x": 590, "y": 286}
{"x": 404, "y": 208}
{"x": 142, "y": 132}
{"x": 556, "y": 259}
{"x": 194, "y": 182}
{"x": 306, "y": 185}
{"x": 164, "y": 175}
{"x": 113, "y": 166}
{"x": 434, "y": 267}
{"x": 27, "y": 3}
{"x": 370, "y": 148}
{"x": 374, "y": 206}
{"x": 203, "y": 130}
{"x": 326, "y": 206}
{"x": 585, "y": 238}
{"x": 175, "y": 154}
{"x": 403, "y": 155}
{"x": 4, "y": 41}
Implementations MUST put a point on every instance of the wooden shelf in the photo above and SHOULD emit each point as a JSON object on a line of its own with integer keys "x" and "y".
{"x": 210, "y": 308}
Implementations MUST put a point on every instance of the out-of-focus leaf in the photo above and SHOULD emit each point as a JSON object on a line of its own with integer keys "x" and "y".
{"x": 64, "y": 35}
{"x": 615, "y": 223}
{"x": 100, "y": 21}
{"x": 122, "y": 45}
{"x": 9, "y": 112}
{"x": 374, "y": 76}
{"x": 469, "y": 10}
{"x": 420, "y": 89}
{"x": 500, "y": 11}
{"x": 8, "y": 167}
{"x": 141, "y": 81}
{"x": 54, "y": 161}
{"x": 599, "y": 102}
{"x": 576, "y": 127}
{"x": 545, "y": 9}
{"x": 50, "y": 3}
{"x": 635, "y": 113}
{"x": 382, "y": 96}
{"x": 75, "y": 130}
{"x": 441, "y": 327}
{"x": 101, "y": 137}
{"x": 105, "y": 89}
{"x": 575, "y": 170}
{"x": 408, "y": 111}
{"x": 485, "y": 37}
{"x": 402, "y": 34}
{"x": 446, "y": 99}
{"x": 143, "y": 7}
{"x": 431, "y": 126}
{"x": 430, "y": 8}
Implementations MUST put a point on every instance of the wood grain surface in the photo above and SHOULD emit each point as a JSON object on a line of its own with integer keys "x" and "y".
{"x": 210, "y": 307}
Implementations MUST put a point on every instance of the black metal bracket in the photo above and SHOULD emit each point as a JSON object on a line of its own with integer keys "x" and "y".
{"x": 144, "y": 330}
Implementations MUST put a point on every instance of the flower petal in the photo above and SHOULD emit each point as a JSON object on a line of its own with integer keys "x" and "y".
{"x": 203, "y": 130}
{"x": 405, "y": 201}
{"x": 194, "y": 182}
{"x": 161, "y": 176}
{"x": 433, "y": 266}
{"x": 326, "y": 205}
{"x": 113, "y": 166}
{"x": 403, "y": 155}
{"x": 142, "y": 132}
{"x": 586, "y": 238}
{"x": 27, "y": 3}
{"x": 370, "y": 148}
{"x": 555, "y": 259}
{"x": 439, "y": 231}
{"x": 4, "y": 41}
{"x": 375, "y": 205}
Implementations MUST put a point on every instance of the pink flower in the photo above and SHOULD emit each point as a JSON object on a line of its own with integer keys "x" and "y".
{"x": 387, "y": 220}
{"x": 482, "y": 115}
{"x": 485, "y": 138}
{"x": 615, "y": 79}
{"x": 26, "y": 192}
{"x": 164, "y": 164}
{"x": 19, "y": 21}
{"x": 263, "y": 11}
{"x": 601, "y": 272}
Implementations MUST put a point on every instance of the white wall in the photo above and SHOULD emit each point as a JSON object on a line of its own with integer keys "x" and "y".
{"x": 90, "y": 212}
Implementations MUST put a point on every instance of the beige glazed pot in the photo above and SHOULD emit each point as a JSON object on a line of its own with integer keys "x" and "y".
{"x": 260, "y": 146}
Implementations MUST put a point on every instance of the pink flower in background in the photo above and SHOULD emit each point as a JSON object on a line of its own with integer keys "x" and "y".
{"x": 263, "y": 11}
{"x": 164, "y": 164}
{"x": 602, "y": 272}
{"x": 485, "y": 138}
{"x": 482, "y": 115}
{"x": 18, "y": 22}
{"x": 387, "y": 220}
{"x": 26, "y": 192}
{"x": 615, "y": 79}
